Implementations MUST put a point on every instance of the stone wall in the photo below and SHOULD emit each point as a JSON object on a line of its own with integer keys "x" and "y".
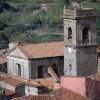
{"x": 70, "y": 61}
{"x": 86, "y": 60}
{"x": 80, "y": 61}
{"x": 46, "y": 62}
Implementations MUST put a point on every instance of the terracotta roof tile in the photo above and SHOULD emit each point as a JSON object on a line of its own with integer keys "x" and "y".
{"x": 61, "y": 94}
{"x": 65, "y": 94}
{"x": 45, "y": 82}
{"x": 34, "y": 97}
{"x": 7, "y": 92}
{"x": 43, "y": 50}
{"x": 12, "y": 81}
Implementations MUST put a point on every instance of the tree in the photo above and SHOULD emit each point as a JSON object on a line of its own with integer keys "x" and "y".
{"x": 67, "y": 1}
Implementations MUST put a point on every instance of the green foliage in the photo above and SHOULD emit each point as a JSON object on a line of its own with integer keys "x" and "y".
{"x": 19, "y": 23}
{"x": 67, "y": 1}
{"x": 47, "y": 38}
{"x": 93, "y": 0}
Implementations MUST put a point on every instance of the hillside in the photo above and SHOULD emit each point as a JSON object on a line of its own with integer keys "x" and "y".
{"x": 27, "y": 21}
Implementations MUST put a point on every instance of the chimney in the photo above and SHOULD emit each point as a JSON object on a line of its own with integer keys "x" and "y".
{"x": 11, "y": 45}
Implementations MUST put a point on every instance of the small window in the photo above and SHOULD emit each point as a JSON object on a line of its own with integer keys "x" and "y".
{"x": 19, "y": 69}
{"x": 69, "y": 33}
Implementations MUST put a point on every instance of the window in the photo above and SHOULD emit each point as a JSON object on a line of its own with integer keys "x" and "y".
{"x": 19, "y": 69}
{"x": 40, "y": 71}
{"x": 85, "y": 34}
{"x": 69, "y": 33}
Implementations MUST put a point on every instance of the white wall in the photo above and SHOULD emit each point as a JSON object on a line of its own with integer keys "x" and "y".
{"x": 7, "y": 86}
{"x": 17, "y": 57}
{"x": 31, "y": 90}
{"x": 12, "y": 69}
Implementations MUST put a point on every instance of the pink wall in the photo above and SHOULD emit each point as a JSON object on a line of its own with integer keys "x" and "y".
{"x": 76, "y": 84}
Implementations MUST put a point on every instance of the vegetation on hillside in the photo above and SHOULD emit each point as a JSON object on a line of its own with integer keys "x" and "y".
{"x": 23, "y": 20}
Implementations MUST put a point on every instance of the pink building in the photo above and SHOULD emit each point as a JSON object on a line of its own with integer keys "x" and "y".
{"x": 76, "y": 84}
{"x": 86, "y": 86}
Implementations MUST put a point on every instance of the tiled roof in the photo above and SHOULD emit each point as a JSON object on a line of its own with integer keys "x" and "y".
{"x": 38, "y": 97}
{"x": 8, "y": 92}
{"x": 45, "y": 82}
{"x": 15, "y": 81}
{"x": 65, "y": 94}
{"x": 43, "y": 50}
{"x": 11, "y": 81}
{"x": 61, "y": 94}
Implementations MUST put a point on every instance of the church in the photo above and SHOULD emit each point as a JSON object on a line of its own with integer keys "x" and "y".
{"x": 80, "y": 54}
{"x": 73, "y": 59}
{"x": 32, "y": 61}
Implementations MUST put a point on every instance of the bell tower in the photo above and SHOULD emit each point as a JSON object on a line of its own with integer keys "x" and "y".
{"x": 80, "y": 56}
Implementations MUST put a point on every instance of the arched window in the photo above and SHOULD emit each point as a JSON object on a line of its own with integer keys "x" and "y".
{"x": 19, "y": 69}
{"x": 85, "y": 34}
{"x": 69, "y": 33}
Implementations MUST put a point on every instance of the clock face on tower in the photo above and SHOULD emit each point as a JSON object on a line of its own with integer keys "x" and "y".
{"x": 69, "y": 50}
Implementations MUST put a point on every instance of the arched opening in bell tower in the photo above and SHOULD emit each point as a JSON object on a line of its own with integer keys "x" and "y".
{"x": 69, "y": 33}
{"x": 85, "y": 35}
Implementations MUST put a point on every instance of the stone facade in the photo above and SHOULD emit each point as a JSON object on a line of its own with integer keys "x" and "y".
{"x": 87, "y": 61}
{"x": 80, "y": 56}
{"x": 70, "y": 61}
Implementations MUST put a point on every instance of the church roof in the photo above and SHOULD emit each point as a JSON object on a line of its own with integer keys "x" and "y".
{"x": 43, "y": 50}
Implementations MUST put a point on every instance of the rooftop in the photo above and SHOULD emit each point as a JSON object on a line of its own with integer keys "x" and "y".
{"x": 39, "y": 97}
{"x": 42, "y": 50}
{"x": 65, "y": 94}
{"x": 61, "y": 94}
{"x": 8, "y": 92}
{"x": 16, "y": 81}
{"x": 11, "y": 81}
